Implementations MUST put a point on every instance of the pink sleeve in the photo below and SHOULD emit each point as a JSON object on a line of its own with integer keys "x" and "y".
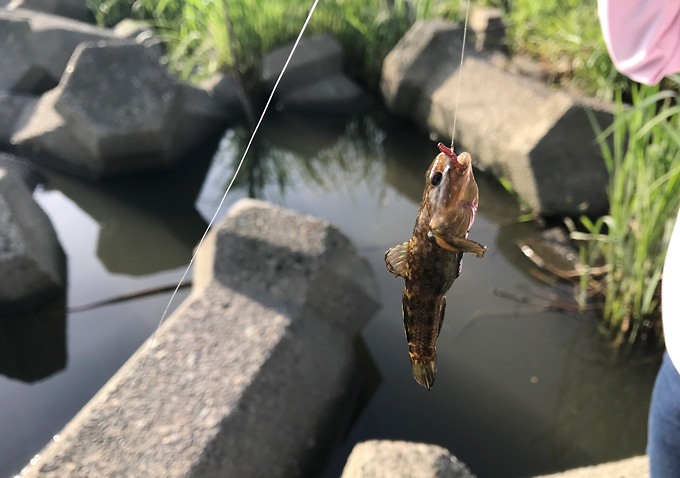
{"x": 643, "y": 37}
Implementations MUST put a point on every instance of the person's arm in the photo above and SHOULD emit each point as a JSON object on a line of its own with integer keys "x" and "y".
{"x": 642, "y": 36}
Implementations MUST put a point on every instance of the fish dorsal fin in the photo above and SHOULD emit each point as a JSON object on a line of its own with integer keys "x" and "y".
{"x": 395, "y": 259}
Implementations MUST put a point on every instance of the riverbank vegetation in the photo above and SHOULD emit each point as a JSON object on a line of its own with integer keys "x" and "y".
{"x": 562, "y": 35}
{"x": 565, "y": 36}
{"x": 642, "y": 153}
{"x": 195, "y": 31}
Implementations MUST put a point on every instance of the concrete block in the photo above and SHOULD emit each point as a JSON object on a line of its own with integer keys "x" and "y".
{"x": 15, "y": 165}
{"x": 117, "y": 110}
{"x": 400, "y": 459}
{"x": 121, "y": 104}
{"x": 45, "y": 137}
{"x": 32, "y": 262}
{"x": 540, "y": 139}
{"x": 233, "y": 385}
{"x": 222, "y": 90}
{"x": 298, "y": 262}
{"x": 142, "y": 33}
{"x": 202, "y": 117}
{"x": 14, "y": 109}
{"x": 75, "y": 9}
{"x": 335, "y": 94}
{"x": 487, "y": 26}
{"x": 35, "y": 47}
{"x": 315, "y": 57}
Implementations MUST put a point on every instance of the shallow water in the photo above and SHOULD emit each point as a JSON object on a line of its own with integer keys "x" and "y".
{"x": 519, "y": 391}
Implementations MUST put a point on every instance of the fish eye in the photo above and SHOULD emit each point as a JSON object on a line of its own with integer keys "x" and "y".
{"x": 436, "y": 178}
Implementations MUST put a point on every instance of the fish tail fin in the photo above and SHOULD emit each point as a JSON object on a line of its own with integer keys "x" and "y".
{"x": 424, "y": 370}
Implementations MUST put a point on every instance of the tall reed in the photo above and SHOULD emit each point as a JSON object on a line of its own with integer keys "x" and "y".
{"x": 642, "y": 153}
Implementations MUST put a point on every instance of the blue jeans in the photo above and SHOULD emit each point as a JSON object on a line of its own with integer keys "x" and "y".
{"x": 663, "y": 439}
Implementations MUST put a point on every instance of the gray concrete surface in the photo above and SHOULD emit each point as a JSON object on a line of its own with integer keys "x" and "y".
{"x": 315, "y": 57}
{"x": 204, "y": 113}
{"x": 314, "y": 81}
{"x": 117, "y": 110}
{"x": 27, "y": 171}
{"x": 538, "y": 138}
{"x": 121, "y": 104}
{"x": 332, "y": 94}
{"x": 14, "y": 108}
{"x": 222, "y": 89}
{"x": 237, "y": 382}
{"x": 302, "y": 264}
{"x": 401, "y": 459}
{"x": 486, "y": 28}
{"x": 35, "y": 47}
{"x": 76, "y": 9}
{"x": 32, "y": 262}
{"x": 44, "y": 131}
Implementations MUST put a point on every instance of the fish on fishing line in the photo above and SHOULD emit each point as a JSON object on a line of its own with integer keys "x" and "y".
{"x": 431, "y": 260}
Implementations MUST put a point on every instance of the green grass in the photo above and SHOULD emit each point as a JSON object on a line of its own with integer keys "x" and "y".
{"x": 642, "y": 153}
{"x": 195, "y": 30}
{"x": 565, "y": 35}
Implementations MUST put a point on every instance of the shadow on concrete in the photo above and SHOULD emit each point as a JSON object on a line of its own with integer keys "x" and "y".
{"x": 584, "y": 174}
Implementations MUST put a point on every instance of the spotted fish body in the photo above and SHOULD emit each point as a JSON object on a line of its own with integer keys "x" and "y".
{"x": 431, "y": 260}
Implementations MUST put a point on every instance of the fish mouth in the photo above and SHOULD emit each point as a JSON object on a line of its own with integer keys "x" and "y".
{"x": 436, "y": 239}
{"x": 459, "y": 162}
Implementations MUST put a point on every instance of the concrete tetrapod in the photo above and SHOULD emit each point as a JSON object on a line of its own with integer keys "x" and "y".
{"x": 248, "y": 376}
{"x": 397, "y": 459}
{"x": 32, "y": 262}
{"x": 515, "y": 127}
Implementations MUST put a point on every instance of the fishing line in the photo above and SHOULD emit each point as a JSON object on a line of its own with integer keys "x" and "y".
{"x": 214, "y": 217}
{"x": 460, "y": 73}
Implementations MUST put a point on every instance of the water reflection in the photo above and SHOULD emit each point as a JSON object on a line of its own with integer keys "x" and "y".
{"x": 337, "y": 156}
{"x": 265, "y": 165}
{"x": 33, "y": 346}
{"x": 136, "y": 214}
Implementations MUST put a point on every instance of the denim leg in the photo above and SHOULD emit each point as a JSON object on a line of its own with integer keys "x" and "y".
{"x": 663, "y": 439}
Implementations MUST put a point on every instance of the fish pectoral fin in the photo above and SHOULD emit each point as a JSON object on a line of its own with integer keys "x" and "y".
{"x": 395, "y": 259}
{"x": 460, "y": 244}
{"x": 466, "y": 245}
